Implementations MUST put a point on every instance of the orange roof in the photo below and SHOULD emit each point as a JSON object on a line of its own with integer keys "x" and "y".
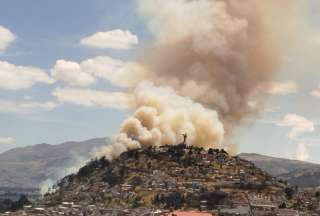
{"x": 180, "y": 213}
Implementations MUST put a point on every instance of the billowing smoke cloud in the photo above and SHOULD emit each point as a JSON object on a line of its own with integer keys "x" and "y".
{"x": 219, "y": 53}
{"x": 161, "y": 117}
{"x": 214, "y": 57}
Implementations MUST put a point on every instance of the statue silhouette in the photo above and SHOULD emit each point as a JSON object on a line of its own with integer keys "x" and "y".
{"x": 185, "y": 136}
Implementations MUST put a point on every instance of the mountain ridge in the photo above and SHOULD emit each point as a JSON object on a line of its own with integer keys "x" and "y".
{"x": 295, "y": 172}
{"x": 31, "y": 165}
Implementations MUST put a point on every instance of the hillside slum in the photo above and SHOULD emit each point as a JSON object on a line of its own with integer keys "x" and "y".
{"x": 167, "y": 179}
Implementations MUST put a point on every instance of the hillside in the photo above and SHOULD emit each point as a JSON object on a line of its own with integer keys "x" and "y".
{"x": 296, "y": 172}
{"x": 160, "y": 180}
{"x": 303, "y": 178}
{"x": 29, "y": 166}
{"x": 277, "y": 166}
{"x": 169, "y": 177}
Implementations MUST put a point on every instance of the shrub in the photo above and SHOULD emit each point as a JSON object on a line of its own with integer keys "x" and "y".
{"x": 112, "y": 178}
{"x": 88, "y": 169}
{"x": 289, "y": 192}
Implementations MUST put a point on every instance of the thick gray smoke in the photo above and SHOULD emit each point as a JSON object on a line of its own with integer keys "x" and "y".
{"x": 213, "y": 57}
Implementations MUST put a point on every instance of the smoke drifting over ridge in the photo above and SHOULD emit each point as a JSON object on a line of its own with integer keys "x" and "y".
{"x": 208, "y": 63}
{"x": 160, "y": 118}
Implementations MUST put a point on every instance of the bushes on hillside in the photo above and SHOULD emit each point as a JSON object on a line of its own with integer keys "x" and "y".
{"x": 111, "y": 177}
{"x": 9, "y": 205}
{"x": 92, "y": 166}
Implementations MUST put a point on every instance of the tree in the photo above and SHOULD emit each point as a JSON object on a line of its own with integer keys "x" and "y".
{"x": 23, "y": 200}
{"x": 104, "y": 162}
{"x": 211, "y": 151}
{"x": 289, "y": 192}
{"x": 223, "y": 152}
{"x": 135, "y": 203}
{"x": 135, "y": 181}
{"x": 283, "y": 205}
{"x": 174, "y": 200}
{"x": 111, "y": 178}
{"x": 89, "y": 168}
{"x": 214, "y": 198}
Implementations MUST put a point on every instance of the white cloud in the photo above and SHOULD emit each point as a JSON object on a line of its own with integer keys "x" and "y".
{"x": 71, "y": 73}
{"x": 6, "y": 38}
{"x": 283, "y": 88}
{"x": 315, "y": 38}
{"x": 298, "y": 125}
{"x": 14, "y": 77}
{"x": 90, "y": 98}
{"x": 115, "y": 39}
{"x": 7, "y": 140}
{"x": 27, "y": 97}
{"x": 316, "y": 92}
{"x": 26, "y": 106}
{"x": 117, "y": 72}
{"x": 302, "y": 152}
{"x": 272, "y": 109}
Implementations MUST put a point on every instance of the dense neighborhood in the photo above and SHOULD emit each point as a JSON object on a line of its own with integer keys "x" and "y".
{"x": 173, "y": 180}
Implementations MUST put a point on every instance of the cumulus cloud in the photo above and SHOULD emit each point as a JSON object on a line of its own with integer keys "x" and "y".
{"x": 298, "y": 125}
{"x": 6, "y": 38}
{"x": 7, "y": 140}
{"x": 85, "y": 73}
{"x": 315, "y": 37}
{"x": 13, "y": 77}
{"x": 272, "y": 109}
{"x": 115, "y": 39}
{"x": 282, "y": 88}
{"x": 8, "y": 106}
{"x": 71, "y": 73}
{"x": 89, "y": 98}
{"x": 316, "y": 92}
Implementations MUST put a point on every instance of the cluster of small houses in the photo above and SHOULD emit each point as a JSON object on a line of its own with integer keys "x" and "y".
{"x": 227, "y": 173}
{"x": 71, "y": 209}
{"x": 256, "y": 205}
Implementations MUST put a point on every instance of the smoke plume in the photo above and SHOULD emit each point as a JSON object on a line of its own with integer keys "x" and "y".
{"x": 219, "y": 53}
{"x": 161, "y": 117}
{"x": 210, "y": 59}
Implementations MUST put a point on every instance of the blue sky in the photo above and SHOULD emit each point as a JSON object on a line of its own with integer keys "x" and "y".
{"x": 47, "y": 31}
{"x": 51, "y": 30}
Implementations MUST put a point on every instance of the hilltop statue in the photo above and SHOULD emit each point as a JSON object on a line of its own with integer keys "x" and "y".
{"x": 185, "y": 136}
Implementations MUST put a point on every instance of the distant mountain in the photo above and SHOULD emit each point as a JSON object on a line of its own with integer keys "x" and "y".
{"x": 295, "y": 172}
{"x": 30, "y": 166}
